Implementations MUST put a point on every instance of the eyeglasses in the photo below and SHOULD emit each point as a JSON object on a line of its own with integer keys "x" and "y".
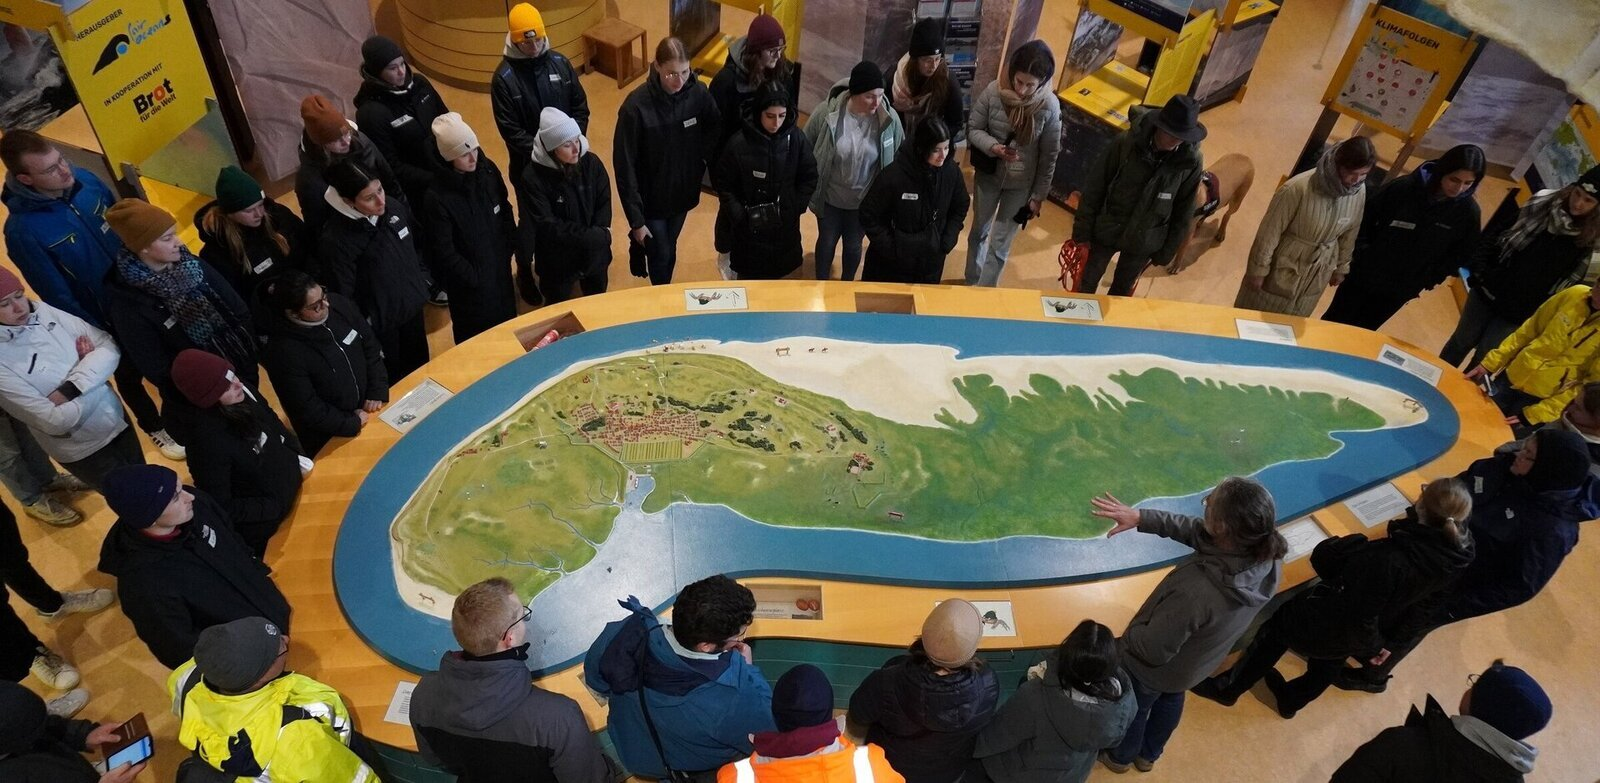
{"x": 317, "y": 306}
{"x": 526, "y": 613}
{"x": 61, "y": 166}
{"x": 778, "y": 49}
{"x": 1472, "y": 679}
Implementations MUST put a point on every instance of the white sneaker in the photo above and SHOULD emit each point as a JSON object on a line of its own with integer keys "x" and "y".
{"x": 54, "y": 671}
{"x": 53, "y": 512}
{"x": 67, "y": 704}
{"x": 168, "y": 447}
{"x": 81, "y": 602}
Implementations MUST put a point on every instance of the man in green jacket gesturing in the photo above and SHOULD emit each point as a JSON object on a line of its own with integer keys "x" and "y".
{"x": 1139, "y": 200}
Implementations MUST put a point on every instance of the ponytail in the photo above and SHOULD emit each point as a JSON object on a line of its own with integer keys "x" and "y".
{"x": 1446, "y": 505}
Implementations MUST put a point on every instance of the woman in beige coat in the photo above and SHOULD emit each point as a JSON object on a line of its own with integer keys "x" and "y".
{"x": 1309, "y": 232}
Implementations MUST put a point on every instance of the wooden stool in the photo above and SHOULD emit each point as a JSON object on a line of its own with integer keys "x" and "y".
{"x": 610, "y": 44}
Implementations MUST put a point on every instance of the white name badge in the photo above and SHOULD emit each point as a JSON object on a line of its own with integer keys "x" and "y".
{"x": 350, "y": 338}
{"x": 555, "y": 77}
{"x": 1164, "y": 196}
{"x": 266, "y": 263}
{"x": 691, "y": 122}
{"x": 403, "y": 119}
{"x": 910, "y": 196}
{"x": 1401, "y": 224}
{"x": 104, "y": 227}
{"x": 171, "y": 321}
{"x": 497, "y": 209}
{"x": 405, "y": 231}
{"x": 759, "y": 174}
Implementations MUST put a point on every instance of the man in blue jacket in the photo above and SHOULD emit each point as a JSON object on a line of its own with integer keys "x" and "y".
{"x": 57, "y": 235}
{"x": 703, "y": 695}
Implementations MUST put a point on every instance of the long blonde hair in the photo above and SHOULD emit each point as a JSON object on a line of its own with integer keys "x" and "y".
{"x": 1446, "y": 504}
{"x": 218, "y": 224}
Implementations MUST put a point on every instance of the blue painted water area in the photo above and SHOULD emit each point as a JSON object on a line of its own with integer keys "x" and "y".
{"x": 652, "y": 555}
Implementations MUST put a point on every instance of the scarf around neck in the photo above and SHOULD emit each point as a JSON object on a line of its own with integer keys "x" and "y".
{"x": 903, "y": 100}
{"x": 1020, "y": 112}
{"x": 183, "y": 289}
{"x": 1328, "y": 176}
{"x": 1544, "y": 213}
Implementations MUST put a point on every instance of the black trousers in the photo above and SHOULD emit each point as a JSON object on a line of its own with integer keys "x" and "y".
{"x": 1123, "y": 279}
{"x": 560, "y": 290}
{"x": 1262, "y": 656}
{"x": 18, "y": 645}
{"x": 130, "y": 386}
{"x": 405, "y": 347}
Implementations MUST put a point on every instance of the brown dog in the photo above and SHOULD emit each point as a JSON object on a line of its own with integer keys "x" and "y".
{"x": 1234, "y": 173}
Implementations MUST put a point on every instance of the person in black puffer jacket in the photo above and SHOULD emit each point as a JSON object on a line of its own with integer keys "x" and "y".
{"x": 1371, "y": 592}
{"x": 38, "y": 747}
{"x": 569, "y": 201}
{"x": 395, "y": 107}
{"x": 666, "y": 131}
{"x": 1521, "y": 262}
{"x": 369, "y": 254}
{"x": 755, "y": 70}
{"x": 1526, "y": 509}
{"x": 244, "y": 457}
{"x": 324, "y": 360}
{"x": 330, "y": 137}
{"x": 925, "y": 708}
{"x": 1416, "y": 231}
{"x": 765, "y": 180}
{"x": 163, "y": 299}
{"x": 471, "y": 231}
{"x": 179, "y": 565}
{"x": 249, "y": 238}
{"x": 914, "y": 210}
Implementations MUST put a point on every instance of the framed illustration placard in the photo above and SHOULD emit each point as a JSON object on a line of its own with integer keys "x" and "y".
{"x": 1396, "y": 72}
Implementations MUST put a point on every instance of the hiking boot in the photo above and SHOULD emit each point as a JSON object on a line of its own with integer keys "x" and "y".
{"x": 1360, "y": 680}
{"x": 81, "y": 602}
{"x": 53, "y": 512}
{"x": 53, "y": 670}
{"x": 67, "y": 704}
{"x": 1105, "y": 761}
{"x": 66, "y": 482}
{"x": 1211, "y": 688}
{"x": 168, "y": 447}
{"x": 1143, "y": 764}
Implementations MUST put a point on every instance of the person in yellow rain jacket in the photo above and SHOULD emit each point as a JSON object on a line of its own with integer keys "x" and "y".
{"x": 1547, "y": 360}
{"x": 245, "y": 718}
{"x": 808, "y": 747}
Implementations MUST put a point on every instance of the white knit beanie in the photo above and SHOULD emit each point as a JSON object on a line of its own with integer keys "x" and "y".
{"x": 556, "y": 128}
{"x": 454, "y": 137}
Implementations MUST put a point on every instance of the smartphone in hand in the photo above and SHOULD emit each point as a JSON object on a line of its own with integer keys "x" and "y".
{"x": 133, "y": 744}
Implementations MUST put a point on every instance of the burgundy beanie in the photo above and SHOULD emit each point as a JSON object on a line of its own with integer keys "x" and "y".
{"x": 201, "y": 376}
{"x": 764, "y": 33}
{"x": 9, "y": 282}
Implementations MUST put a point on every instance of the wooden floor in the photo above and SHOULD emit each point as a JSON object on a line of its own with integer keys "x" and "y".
{"x": 1544, "y": 636}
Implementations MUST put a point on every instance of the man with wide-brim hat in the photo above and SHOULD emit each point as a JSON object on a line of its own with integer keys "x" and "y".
{"x": 1139, "y": 197}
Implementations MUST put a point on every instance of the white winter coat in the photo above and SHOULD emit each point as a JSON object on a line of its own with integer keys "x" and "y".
{"x": 40, "y": 355}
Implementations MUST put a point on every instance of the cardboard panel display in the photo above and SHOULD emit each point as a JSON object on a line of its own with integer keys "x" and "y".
{"x": 1396, "y": 72}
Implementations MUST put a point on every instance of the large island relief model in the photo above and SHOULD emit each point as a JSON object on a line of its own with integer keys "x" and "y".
{"x": 876, "y": 448}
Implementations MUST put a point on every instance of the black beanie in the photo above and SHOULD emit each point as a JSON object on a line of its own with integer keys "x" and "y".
{"x": 22, "y": 716}
{"x": 927, "y": 37}
{"x": 802, "y": 698}
{"x": 377, "y": 52}
{"x": 1560, "y": 463}
{"x": 865, "y": 77}
{"x": 1590, "y": 182}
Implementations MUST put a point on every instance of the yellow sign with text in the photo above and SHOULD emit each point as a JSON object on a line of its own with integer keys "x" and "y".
{"x": 137, "y": 68}
{"x": 1397, "y": 71}
{"x": 1175, "y": 70}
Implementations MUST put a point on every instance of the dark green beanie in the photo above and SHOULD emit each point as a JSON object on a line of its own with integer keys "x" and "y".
{"x": 236, "y": 190}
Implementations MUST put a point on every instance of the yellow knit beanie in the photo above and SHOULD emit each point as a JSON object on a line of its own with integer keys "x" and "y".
{"x": 524, "y": 19}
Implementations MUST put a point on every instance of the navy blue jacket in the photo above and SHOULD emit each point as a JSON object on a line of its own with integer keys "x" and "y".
{"x": 63, "y": 246}
{"x": 705, "y": 711}
{"x": 1521, "y": 537}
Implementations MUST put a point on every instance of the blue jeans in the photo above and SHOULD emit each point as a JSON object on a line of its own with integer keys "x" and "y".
{"x": 1152, "y": 726}
{"x": 24, "y": 467}
{"x": 832, "y": 225}
{"x": 662, "y": 246}
{"x": 993, "y": 230}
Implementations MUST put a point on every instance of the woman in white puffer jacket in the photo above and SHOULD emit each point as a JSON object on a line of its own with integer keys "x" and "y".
{"x": 54, "y": 369}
